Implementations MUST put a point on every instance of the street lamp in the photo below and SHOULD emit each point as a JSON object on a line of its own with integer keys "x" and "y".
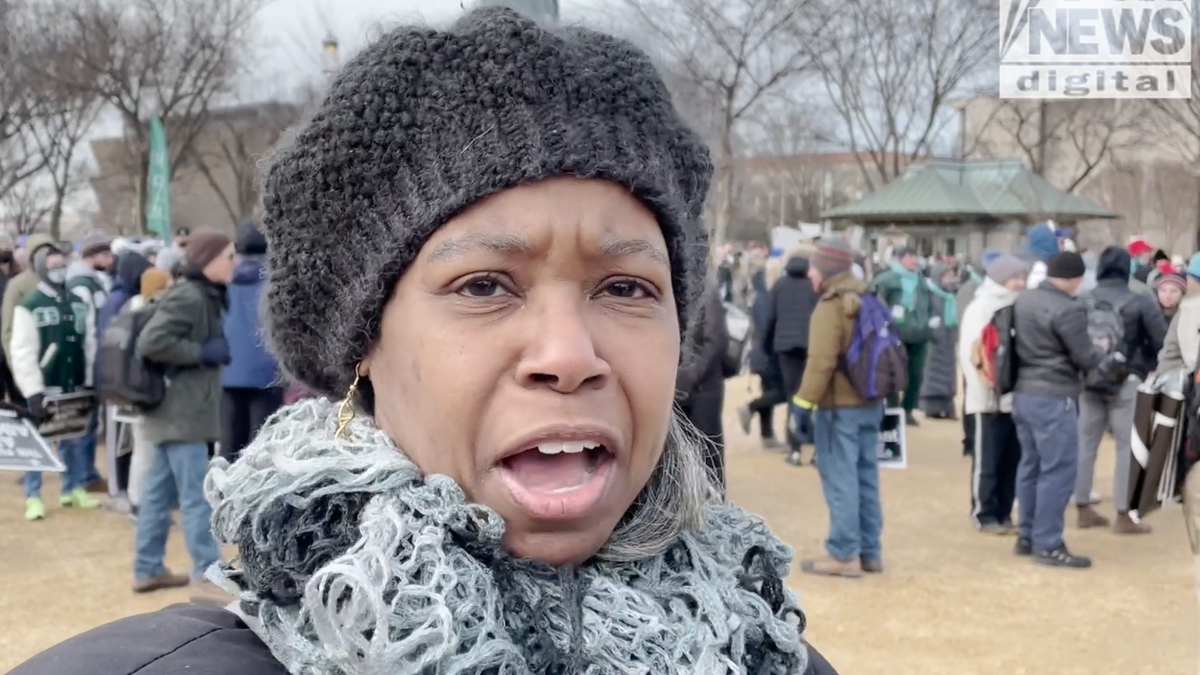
{"x": 329, "y": 56}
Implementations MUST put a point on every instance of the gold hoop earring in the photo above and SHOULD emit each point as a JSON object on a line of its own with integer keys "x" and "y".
{"x": 345, "y": 413}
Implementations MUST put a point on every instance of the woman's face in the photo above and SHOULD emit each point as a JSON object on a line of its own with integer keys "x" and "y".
{"x": 530, "y": 354}
{"x": 1169, "y": 295}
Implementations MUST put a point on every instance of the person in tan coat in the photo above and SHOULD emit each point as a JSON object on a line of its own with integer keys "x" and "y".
{"x": 846, "y": 427}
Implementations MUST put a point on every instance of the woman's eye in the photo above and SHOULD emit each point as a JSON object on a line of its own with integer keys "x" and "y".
{"x": 626, "y": 288}
{"x": 483, "y": 287}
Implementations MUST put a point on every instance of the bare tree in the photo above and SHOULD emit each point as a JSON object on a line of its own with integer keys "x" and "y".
{"x": 170, "y": 58}
{"x": 236, "y": 138}
{"x": 891, "y": 67}
{"x": 1180, "y": 119}
{"x": 28, "y": 204}
{"x": 1119, "y": 187}
{"x": 728, "y": 55}
{"x": 19, "y": 105}
{"x": 68, "y": 113}
{"x": 1170, "y": 196}
{"x": 1065, "y": 142}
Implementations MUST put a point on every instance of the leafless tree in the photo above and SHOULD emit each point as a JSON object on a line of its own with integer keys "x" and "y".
{"x": 727, "y": 55}
{"x": 1119, "y": 187}
{"x": 1180, "y": 119}
{"x": 1065, "y": 142}
{"x": 67, "y": 113}
{"x": 28, "y": 204}
{"x": 1171, "y": 197}
{"x": 891, "y": 67}
{"x": 170, "y": 58}
{"x": 19, "y": 105}
{"x": 234, "y": 141}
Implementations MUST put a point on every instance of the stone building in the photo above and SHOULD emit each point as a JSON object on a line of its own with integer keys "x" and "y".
{"x": 214, "y": 185}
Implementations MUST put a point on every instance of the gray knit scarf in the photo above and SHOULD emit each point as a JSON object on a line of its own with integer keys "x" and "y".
{"x": 352, "y": 562}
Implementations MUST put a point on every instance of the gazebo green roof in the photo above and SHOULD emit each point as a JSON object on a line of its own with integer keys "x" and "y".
{"x": 969, "y": 190}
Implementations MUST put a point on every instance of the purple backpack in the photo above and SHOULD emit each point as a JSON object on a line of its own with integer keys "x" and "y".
{"x": 875, "y": 362}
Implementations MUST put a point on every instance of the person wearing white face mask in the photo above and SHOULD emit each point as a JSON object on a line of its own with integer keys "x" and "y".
{"x": 53, "y": 347}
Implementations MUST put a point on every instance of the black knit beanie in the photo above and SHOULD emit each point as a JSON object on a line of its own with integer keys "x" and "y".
{"x": 1065, "y": 265}
{"x": 423, "y": 123}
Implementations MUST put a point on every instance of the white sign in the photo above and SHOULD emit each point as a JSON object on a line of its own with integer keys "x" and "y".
{"x": 1095, "y": 49}
{"x": 892, "y": 452}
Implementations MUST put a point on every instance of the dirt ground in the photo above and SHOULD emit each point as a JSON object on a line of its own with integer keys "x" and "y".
{"x": 952, "y": 601}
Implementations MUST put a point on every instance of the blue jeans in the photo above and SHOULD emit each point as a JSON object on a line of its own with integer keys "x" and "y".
{"x": 176, "y": 475}
{"x": 88, "y": 443}
{"x": 847, "y": 447}
{"x": 71, "y": 452}
{"x": 1048, "y": 428}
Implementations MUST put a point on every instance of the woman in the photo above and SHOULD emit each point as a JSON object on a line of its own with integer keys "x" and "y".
{"x": 487, "y": 241}
{"x": 939, "y": 383}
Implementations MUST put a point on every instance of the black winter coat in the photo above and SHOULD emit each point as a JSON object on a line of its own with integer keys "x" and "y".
{"x": 792, "y": 303}
{"x": 191, "y": 639}
{"x": 1145, "y": 327}
{"x": 701, "y": 372}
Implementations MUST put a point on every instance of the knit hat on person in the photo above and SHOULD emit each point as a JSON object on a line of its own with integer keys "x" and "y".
{"x": 250, "y": 241}
{"x": 1006, "y": 266}
{"x": 423, "y": 123}
{"x": 1171, "y": 278}
{"x": 833, "y": 256}
{"x": 153, "y": 281}
{"x": 1065, "y": 265}
{"x": 203, "y": 248}
{"x": 95, "y": 243}
{"x": 989, "y": 255}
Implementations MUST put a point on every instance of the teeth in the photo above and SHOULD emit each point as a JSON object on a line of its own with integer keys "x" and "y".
{"x": 569, "y": 447}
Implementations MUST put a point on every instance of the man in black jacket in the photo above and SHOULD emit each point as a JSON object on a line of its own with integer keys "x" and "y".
{"x": 1111, "y": 408}
{"x": 1053, "y": 351}
{"x": 786, "y": 331}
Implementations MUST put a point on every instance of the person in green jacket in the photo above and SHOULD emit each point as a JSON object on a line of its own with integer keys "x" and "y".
{"x": 902, "y": 288}
{"x": 88, "y": 279}
{"x": 186, "y": 337}
{"x": 53, "y": 348}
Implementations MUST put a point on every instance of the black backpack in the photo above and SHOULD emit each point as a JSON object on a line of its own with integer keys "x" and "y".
{"x": 1004, "y": 358}
{"x": 126, "y": 379}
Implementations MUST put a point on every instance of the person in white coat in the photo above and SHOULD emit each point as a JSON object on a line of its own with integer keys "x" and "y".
{"x": 996, "y": 450}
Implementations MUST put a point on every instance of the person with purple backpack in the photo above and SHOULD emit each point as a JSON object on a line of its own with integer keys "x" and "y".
{"x": 845, "y": 422}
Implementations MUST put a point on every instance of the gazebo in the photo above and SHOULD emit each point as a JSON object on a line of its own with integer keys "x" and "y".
{"x": 960, "y": 207}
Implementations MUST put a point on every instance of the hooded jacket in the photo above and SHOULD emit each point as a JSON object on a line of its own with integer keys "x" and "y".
{"x": 790, "y": 310}
{"x": 1145, "y": 327}
{"x": 825, "y": 383}
{"x": 979, "y": 396}
{"x": 251, "y": 366}
{"x": 20, "y": 286}
{"x": 128, "y": 283}
{"x": 1041, "y": 242}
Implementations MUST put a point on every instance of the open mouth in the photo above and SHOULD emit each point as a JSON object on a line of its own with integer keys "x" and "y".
{"x": 558, "y": 479}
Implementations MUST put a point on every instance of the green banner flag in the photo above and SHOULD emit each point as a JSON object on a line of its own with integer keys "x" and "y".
{"x": 158, "y": 183}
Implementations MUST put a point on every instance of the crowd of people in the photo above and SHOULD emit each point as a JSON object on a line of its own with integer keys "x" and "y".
{"x": 199, "y": 296}
{"x": 1049, "y": 345}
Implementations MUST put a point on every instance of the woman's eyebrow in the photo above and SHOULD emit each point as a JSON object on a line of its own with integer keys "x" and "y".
{"x": 469, "y": 243}
{"x": 621, "y": 248}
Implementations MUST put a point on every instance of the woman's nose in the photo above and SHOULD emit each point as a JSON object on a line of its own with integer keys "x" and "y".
{"x": 561, "y": 352}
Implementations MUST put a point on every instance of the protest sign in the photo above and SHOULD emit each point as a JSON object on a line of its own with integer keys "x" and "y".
{"x": 22, "y": 448}
{"x": 892, "y": 454}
